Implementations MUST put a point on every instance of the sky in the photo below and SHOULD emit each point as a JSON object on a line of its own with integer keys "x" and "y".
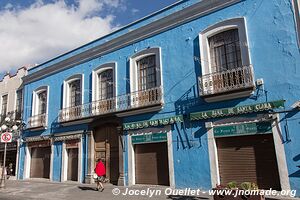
{"x": 34, "y": 31}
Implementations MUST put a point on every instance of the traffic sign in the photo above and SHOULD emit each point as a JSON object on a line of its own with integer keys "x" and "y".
{"x": 6, "y": 137}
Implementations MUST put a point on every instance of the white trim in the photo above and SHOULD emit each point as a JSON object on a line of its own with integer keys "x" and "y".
{"x": 95, "y": 79}
{"x": 79, "y": 156}
{"x": 235, "y": 23}
{"x": 27, "y": 162}
{"x": 280, "y": 155}
{"x": 64, "y": 163}
{"x": 133, "y": 68}
{"x": 131, "y": 165}
{"x": 51, "y": 162}
{"x": 213, "y": 158}
{"x": 66, "y": 100}
{"x": 170, "y": 159}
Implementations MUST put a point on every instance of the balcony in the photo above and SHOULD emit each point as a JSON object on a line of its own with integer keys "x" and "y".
{"x": 37, "y": 122}
{"x": 140, "y": 101}
{"x": 229, "y": 84}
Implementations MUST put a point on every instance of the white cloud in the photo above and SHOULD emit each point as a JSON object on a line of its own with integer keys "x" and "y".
{"x": 40, "y": 32}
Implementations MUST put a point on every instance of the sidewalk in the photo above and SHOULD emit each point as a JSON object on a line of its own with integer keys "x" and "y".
{"x": 40, "y": 189}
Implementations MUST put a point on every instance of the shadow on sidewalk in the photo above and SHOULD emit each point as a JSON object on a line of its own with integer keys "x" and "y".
{"x": 87, "y": 188}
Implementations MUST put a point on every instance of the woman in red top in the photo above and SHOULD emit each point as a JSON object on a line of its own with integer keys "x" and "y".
{"x": 100, "y": 171}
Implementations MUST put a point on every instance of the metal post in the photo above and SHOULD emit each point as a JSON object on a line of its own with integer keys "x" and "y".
{"x": 2, "y": 185}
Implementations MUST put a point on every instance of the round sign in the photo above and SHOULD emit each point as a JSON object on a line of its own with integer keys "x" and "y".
{"x": 6, "y": 137}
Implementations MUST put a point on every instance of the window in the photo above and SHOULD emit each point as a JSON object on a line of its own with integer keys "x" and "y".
{"x": 225, "y": 52}
{"x": 38, "y": 118}
{"x": 75, "y": 93}
{"x": 42, "y": 102}
{"x": 106, "y": 84}
{"x": 147, "y": 73}
{"x": 296, "y": 6}
{"x": 145, "y": 78}
{"x": 225, "y": 62}
{"x": 145, "y": 70}
{"x": 19, "y": 104}
{"x": 4, "y": 105}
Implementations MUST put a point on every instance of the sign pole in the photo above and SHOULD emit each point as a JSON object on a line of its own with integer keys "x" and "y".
{"x": 2, "y": 185}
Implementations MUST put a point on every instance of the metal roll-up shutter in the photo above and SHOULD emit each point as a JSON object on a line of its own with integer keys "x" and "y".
{"x": 151, "y": 164}
{"x": 248, "y": 159}
{"x": 40, "y": 162}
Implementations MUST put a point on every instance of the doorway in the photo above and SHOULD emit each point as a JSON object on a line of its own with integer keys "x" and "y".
{"x": 72, "y": 173}
{"x": 107, "y": 147}
{"x": 40, "y": 162}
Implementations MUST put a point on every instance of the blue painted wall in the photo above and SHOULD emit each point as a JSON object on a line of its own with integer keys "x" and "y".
{"x": 274, "y": 55}
{"x": 57, "y": 161}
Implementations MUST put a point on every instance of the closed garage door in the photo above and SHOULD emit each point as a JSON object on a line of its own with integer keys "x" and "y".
{"x": 40, "y": 162}
{"x": 151, "y": 164}
{"x": 248, "y": 158}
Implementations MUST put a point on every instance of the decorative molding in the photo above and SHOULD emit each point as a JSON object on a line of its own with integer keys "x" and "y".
{"x": 67, "y": 137}
{"x": 173, "y": 20}
{"x": 37, "y": 138}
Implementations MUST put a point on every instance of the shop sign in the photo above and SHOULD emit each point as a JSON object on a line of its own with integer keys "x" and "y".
{"x": 237, "y": 110}
{"x": 149, "y": 138}
{"x": 152, "y": 123}
{"x": 10, "y": 146}
{"x": 243, "y": 129}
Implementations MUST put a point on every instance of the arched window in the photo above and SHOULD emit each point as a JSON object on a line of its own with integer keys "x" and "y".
{"x": 225, "y": 61}
{"x": 145, "y": 70}
{"x": 73, "y": 91}
{"x": 147, "y": 75}
{"x": 105, "y": 84}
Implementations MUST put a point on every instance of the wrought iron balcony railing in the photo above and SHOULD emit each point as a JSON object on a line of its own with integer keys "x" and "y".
{"x": 227, "y": 81}
{"x": 139, "y": 99}
{"x": 37, "y": 121}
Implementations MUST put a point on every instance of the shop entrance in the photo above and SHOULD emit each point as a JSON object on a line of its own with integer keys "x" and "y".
{"x": 72, "y": 174}
{"x": 10, "y": 162}
{"x": 151, "y": 164}
{"x": 248, "y": 159}
{"x": 107, "y": 147}
{"x": 40, "y": 162}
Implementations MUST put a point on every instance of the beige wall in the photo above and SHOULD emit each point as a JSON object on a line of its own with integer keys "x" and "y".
{"x": 9, "y": 85}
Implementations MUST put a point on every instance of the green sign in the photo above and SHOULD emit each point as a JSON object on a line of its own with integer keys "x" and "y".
{"x": 243, "y": 129}
{"x": 237, "y": 110}
{"x": 149, "y": 138}
{"x": 151, "y": 123}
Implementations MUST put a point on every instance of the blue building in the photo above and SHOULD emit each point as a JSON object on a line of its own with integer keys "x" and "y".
{"x": 198, "y": 94}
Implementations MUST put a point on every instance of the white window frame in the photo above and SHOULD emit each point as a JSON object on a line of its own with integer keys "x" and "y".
{"x": 235, "y": 23}
{"x": 296, "y": 8}
{"x": 134, "y": 68}
{"x": 95, "y": 79}
{"x": 66, "y": 88}
{"x": 35, "y": 100}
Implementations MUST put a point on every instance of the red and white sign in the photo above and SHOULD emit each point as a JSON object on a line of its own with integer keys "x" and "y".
{"x": 6, "y": 137}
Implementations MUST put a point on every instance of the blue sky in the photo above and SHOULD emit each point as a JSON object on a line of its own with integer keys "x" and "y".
{"x": 37, "y": 30}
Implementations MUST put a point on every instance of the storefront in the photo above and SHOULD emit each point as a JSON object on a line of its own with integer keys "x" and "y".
{"x": 11, "y": 157}
{"x": 150, "y": 151}
{"x": 38, "y": 158}
{"x": 245, "y": 145}
{"x": 69, "y": 146}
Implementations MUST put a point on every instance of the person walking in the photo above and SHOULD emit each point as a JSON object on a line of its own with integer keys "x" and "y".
{"x": 100, "y": 171}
